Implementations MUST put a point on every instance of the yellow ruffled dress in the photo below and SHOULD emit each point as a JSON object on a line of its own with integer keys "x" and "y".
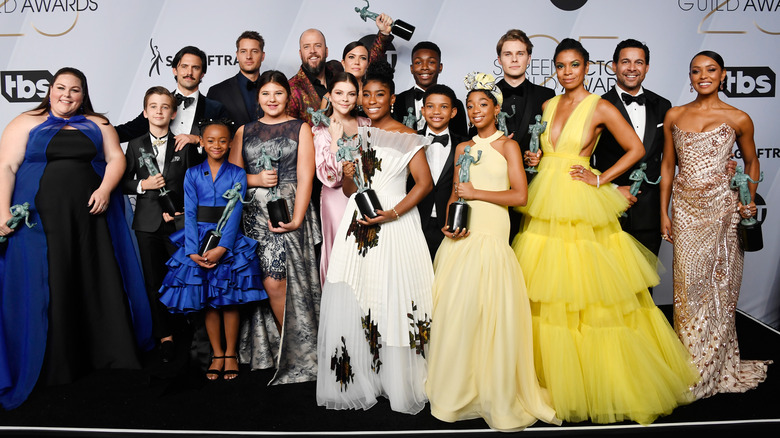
{"x": 602, "y": 348}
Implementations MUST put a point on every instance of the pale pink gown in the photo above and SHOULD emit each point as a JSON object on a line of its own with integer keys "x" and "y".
{"x": 332, "y": 200}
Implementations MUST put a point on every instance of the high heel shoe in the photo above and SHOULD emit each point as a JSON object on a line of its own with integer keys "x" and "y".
{"x": 230, "y": 374}
{"x": 217, "y": 373}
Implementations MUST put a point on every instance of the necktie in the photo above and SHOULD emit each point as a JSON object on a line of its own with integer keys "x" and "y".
{"x": 443, "y": 139}
{"x": 186, "y": 100}
{"x": 418, "y": 94}
{"x": 627, "y": 98}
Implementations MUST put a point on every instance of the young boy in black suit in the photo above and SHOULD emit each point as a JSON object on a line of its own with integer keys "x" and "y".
{"x": 439, "y": 109}
{"x": 426, "y": 66}
{"x": 152, "y": 225}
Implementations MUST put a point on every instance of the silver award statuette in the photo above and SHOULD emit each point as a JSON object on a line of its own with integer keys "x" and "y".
{"x": 749, "y": 229}
{"x": 19, "y": 213}
{"x": 501, "y": 117}
{"x": 365, "y": 197}
{"x": 211, "y": 240}
{"x": 458, "y": 214}
{"x": 638, "y": 176}
{"x": 277, "y": 206}
{"x": 400, "y": 28}
{"x": 535, "y": 130}
{"x": 149, "y": 161}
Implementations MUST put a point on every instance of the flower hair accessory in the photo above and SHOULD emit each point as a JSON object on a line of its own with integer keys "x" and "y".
{"x": 483, "y": 81}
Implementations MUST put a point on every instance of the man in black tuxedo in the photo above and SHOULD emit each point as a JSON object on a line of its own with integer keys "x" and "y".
{"x": 189, "y": 67}
{"x": 238, "y": 93}
{"x": 152, "y": 227}
{"x": 438, "y": 110}
{"x": 426, "y": 66}
{"x": 645, "y": 111}
{"x": 514, "y": 50}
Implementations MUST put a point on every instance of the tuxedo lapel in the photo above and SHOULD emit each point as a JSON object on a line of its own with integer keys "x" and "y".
{"x": 236, "y": 99}
{"x": 147, "y": 146}
{"x": 651, "y": 124}
{"x": 614, "y": 99}
{"x": 169, "y": 152}
{"x": 200, "y": 110}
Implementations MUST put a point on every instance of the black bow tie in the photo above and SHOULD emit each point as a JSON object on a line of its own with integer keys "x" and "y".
{"x": 418, "y": 94}
{"x": 186, "y": 100}
{"x": 443, "y": 139}
{"x": 518, "y": 91}
{"x": 252, "y": 85}
{"x": 627, "y": 98}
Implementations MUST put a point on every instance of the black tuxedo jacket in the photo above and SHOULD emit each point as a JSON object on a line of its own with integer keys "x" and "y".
{"x": 148, "y": 213}
{"x": 537, "y": 95}
{"x": 644, "y": 214}
{"x": 442, "y": 189}
{"x": 206, "y": 109}
{"x": 228, "y": 93}
{"x": 405, "y": 100}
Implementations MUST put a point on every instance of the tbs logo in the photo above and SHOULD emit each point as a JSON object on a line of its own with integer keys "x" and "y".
{"x": 25, "y": 86}
{"x": 749, "y": 82}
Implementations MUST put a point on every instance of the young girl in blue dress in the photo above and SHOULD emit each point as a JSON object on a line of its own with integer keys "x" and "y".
{"x": 225, "y": 276}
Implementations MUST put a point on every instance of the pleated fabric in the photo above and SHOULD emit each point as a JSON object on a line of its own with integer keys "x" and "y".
{"x": 602, "y": 348}
{"x": 481, "y": 353}
{"x": 376, "y": 301}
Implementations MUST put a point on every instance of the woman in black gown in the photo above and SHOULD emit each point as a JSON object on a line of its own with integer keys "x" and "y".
{"x": 72, "y": 297}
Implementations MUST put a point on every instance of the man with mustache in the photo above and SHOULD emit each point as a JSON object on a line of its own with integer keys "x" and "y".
{"x": 189, "y": 67}
{"x": 311, "y": 82}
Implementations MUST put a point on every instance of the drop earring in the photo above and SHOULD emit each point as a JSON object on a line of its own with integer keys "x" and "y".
{"x": 691, "y": 88}
{"x": 722, "y": 85}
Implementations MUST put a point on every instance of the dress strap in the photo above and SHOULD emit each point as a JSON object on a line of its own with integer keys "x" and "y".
{"x": 479, "y": 140}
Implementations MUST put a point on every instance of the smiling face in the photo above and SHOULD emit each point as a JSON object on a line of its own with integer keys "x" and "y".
{"x": 438, "y": 111}
{"x": 66, "y": 95}
{"x": 272, "y": 98}
{"x": 313, "y": 51}
{"x": 377, "y": 100}
{"x": 160, "y": 110}
{"x": 514, "y": 59}
{"x": 481, "y": 109}
{"x": 189, "y": 73}
{"x": 631, "y": 68}
{"x": 571, "y": 69}
{"x": 356, "y": 61}
{"x": 425, "y": 68}
{"x": 215, "y": 140}
{"x": 706, "y": 75}
{"x": 343, "y": 97}
{"x": 249, "y": 55}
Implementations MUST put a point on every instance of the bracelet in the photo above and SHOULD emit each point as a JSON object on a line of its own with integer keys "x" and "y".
{"x": 598, "y": 181}
{"x": 397, "y": 216}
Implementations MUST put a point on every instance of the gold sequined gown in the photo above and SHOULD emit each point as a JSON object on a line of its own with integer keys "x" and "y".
{"x": 708, "y": 262}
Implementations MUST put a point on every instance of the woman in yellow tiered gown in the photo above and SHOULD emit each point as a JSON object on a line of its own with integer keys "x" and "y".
{"x": 602, "y": 348}
{"x": 480, "y": 361}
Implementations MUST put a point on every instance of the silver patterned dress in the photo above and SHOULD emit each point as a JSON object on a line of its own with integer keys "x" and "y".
{"x": 288, "y": 255}
{"x": 708, "y": 262}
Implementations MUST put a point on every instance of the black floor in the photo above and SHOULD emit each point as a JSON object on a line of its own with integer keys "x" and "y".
{"x": 149, "y": 403}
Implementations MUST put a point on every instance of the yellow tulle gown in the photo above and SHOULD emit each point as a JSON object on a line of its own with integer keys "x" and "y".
{"x": 480, "y": 358}
{"x": 602, "y": 348}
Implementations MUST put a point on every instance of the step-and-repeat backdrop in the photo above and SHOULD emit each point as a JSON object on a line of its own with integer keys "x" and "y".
{"x": 125, "y": 47}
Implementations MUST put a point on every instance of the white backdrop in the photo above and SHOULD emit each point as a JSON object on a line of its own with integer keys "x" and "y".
{"x": 125, "y": 47}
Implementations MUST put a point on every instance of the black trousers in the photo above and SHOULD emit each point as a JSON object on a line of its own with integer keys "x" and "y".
{"x": 155, "y": 249}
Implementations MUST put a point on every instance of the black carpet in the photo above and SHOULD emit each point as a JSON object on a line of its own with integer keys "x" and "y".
{"x": 176, "y": 400}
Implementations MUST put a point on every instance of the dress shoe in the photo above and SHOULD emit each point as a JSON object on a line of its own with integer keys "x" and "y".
{"x": 167, "y": 351}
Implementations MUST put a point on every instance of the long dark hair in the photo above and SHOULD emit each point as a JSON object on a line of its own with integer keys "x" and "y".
{"x": 276, "y": 77}
{"x": 349, "y": 47}
{"x": 86, "y": 105}
{"x": 349, "y": 78}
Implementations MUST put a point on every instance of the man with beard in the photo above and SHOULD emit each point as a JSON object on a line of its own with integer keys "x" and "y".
{"x": 311, "y": 82}
{"x": 239, "y": 93}
{"x": 189, "y": 67}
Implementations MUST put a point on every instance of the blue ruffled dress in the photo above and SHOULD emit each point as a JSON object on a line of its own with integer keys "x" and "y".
{"x": 236, "y": 279}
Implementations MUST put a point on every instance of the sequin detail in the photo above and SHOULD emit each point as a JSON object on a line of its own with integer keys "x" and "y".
{"x": 708, "y": 262}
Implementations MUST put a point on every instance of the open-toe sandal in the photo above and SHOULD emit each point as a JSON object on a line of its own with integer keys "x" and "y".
{"x": 216, "y": 373}
{"x": 230, "y": 374}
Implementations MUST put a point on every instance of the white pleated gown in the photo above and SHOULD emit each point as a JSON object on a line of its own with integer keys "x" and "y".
{"x": 376, "y": 300}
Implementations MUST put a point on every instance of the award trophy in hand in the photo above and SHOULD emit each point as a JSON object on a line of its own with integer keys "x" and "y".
{"x": 410, "y": 120}
{"x": 149, "y": 161}
{"x": 501, "y": 118}
{"x": 277, "y": 206}
{"x": 365, "y": 197}
{"x": 535, "y": 130}
{"x": 19, "y": 213}
{"x": 749, "y": 228}
{"x": 458, "y": 217}
{"x": 211, "y": 240}
{"x": 318, "y": 117}
{"x": 637, "y": 176}
{"x": 400, "y": 28}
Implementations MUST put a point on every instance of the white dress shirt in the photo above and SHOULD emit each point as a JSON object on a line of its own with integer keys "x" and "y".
{"x": 437, "y": 155}
{"x": 182, "y": 124}
{"x": 636, "y": 112}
